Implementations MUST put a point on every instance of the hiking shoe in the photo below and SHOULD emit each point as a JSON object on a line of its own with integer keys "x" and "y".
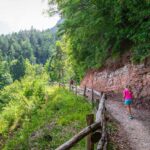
{"x": 130, "y": 117}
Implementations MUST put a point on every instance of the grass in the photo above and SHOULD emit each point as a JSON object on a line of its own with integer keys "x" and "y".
{"x": 112, "y": 129}
{"x": 52, "y": 123}
{"x": 35, "y": 115}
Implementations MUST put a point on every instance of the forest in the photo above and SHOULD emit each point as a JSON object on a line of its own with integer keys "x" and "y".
{"x": 34, "y": 112}
{"x": 97, "y": 30}
{"x": 16, "y": 48}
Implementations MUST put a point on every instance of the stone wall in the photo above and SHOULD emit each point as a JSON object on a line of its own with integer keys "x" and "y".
{"x": 138, "y": 76}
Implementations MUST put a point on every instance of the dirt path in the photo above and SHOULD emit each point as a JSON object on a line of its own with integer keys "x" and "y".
{"x": 137, "y": 130}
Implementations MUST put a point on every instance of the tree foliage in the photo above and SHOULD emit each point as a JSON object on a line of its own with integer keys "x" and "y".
{"x": 17, "y": 68}
{"x": 5, "y": 76}
{"x": 34, "y": 45}
{"x": 97, "y": 30}
{"x": 17, "y": 48}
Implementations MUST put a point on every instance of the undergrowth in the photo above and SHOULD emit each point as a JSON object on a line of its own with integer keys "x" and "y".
{"x": 112, "y": 129}
{"x": 42, "y": 123}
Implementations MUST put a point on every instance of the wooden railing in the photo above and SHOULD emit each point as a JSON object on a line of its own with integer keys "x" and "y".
{"x": 95, "y": 131}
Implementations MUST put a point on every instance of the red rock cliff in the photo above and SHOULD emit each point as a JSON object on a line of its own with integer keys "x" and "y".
{"x": 138, "y": 76}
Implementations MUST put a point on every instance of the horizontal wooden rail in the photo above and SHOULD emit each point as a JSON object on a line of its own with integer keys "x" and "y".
{"x": 102, "y": 144}
{"x": 79, "y": 136}
{"x": 94, "y": 91}
{"x": 101, "y": 109}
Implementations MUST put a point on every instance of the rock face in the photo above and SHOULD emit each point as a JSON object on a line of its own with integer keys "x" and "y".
{"x": 138, "y": 76}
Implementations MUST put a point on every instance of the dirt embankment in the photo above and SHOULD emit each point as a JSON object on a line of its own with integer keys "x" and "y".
{"x": 114, "y": 80}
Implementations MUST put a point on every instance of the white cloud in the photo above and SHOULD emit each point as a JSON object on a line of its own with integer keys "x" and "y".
{"x": 22, "y": 14}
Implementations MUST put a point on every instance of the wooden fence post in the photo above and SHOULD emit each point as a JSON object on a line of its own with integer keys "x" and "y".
{"x": 84, "y": 93}
{"x": 69, "y": 86}
{"x": 76, "y": 88}
{"x": 92, "y": 97}
{"x": 90, "y": 120}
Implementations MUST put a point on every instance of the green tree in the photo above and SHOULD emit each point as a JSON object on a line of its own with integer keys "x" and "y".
{"x": 98, "y": 30}
{"x": 17, "y": 68}
{"x": 56, "y": 64}
{"x": 5, "y": 77}
{"x": 35, "y": 45}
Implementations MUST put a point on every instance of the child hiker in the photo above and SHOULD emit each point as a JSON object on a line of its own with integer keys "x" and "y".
{"x": 127, "y": 95}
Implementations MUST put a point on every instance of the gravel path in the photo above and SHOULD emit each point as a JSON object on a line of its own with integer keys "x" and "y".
{"x": 138, "y": 129}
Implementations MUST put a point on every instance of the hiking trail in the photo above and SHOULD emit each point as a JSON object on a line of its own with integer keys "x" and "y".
{"x": 137, "y": 130}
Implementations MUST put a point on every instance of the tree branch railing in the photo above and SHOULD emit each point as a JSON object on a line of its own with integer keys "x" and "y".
{"x": 97, "y": 130}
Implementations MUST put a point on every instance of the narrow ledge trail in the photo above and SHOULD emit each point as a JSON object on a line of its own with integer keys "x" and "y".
{"x": 137, "y": 129}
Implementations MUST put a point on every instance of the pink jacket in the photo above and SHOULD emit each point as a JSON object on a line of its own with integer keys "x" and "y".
{"x": 127, "y": 94}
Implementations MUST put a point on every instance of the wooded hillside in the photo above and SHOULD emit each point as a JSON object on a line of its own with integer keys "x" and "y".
{"x": 97, "y": 30}
{"x": 18, "y": 48}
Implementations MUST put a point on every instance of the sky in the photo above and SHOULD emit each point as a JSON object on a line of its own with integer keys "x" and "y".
{"x": 18, "y": 15}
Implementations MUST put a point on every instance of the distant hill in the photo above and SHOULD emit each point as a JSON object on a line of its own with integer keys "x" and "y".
{"x": 35, "y": 45}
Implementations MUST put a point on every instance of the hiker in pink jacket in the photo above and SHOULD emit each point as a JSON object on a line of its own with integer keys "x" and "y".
{"x": 127, "y": 95}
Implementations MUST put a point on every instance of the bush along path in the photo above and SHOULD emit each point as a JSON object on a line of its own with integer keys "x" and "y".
{"x": 136, "y": 130}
